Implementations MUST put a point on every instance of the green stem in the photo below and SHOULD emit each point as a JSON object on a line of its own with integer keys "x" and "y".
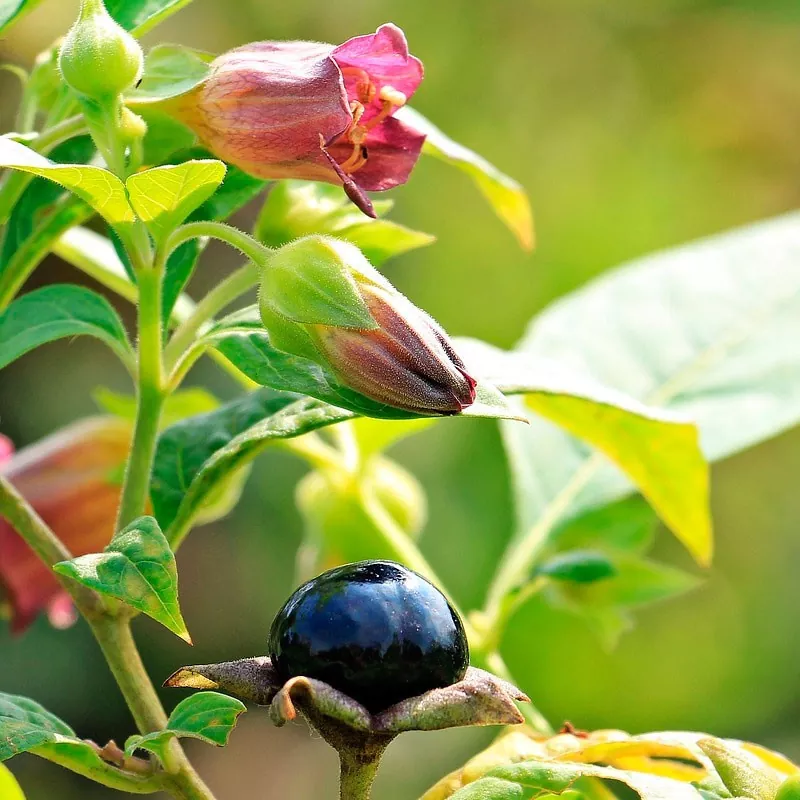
{"x": 221, "y": 296}
{"x": 356, "y": 776}
{"x": 41, "y": 539}
{"x": 113, "y": 634}
{"x": 520, "y": 558}
{"x": 104, "y": 774}
{"x": 242, "y": 241}
{"x": 150, "y": 399}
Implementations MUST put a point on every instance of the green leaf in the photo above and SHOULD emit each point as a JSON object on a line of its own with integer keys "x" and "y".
{"x": 12, "y": 11}
{"x": 299, "y": 208}
{"x": 382, "y": 239}
{"x": 55, "y": 312}
{"x": 532, "y": 778}
{"x": 163, "y": 197}
{"x": 657, "y": 449}
{"x": 39, "y": 197}
{"x": 101, "y": 189}
{"x": 137, "y": 567}
{"x": 195, "y": 455}
{"x": 26, "y": 727}
{"x": 605, "y": 606}
{"x": 628, "y": 525}
{"x": 170, "y": 70}
{"x": 578, "y": 566}
{"x": 140, "y": 16}
{"x": 242, "y": 341}
{"x": 9, "y": 788}
{"x": 208, "y": 716}
{"x": 707, "y": 329}
{"x": 505, "y": 195}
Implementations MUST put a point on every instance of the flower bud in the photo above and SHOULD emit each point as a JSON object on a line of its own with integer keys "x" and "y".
{"x": 312, "y": 111}
{"x": 99, "y": 58}
{"x": 321, "y": 299}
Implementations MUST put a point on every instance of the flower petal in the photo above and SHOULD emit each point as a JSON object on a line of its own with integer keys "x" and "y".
{"x": 384, "y": 56}
{"x": 393, "y": 149}
{"x": 264, "y": 106}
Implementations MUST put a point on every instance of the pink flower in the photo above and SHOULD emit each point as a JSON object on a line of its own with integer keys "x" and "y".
{"x": 72, "y": 480}
{"x": 312, "y": 111}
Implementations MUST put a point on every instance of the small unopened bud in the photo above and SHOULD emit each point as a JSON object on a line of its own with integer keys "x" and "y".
{"x": 99, "y": 58}
{"x": 321, "y": 299}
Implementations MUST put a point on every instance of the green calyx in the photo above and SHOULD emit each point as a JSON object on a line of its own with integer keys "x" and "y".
{"x": 99, "y": 58}
{"x": 315, "y": 281}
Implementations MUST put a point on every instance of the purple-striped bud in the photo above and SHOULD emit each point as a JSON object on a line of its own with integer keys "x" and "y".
{"x": 407, "y": 362}
{"x": 312, "y": 111}
{"x": 321, "y": 299}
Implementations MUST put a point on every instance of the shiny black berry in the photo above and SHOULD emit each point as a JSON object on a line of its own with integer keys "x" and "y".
{"x": 374, "y": 630}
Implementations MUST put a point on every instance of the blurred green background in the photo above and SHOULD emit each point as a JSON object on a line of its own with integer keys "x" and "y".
{"x": 635, "y": 125}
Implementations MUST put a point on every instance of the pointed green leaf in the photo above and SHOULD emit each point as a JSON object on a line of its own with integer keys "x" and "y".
{"x": 163, "y": 197}
{"x": 9, "y": 788}
{"x": 57, "y": 311}
{"x": 24, "y": 724}
{"x": 247, "y": 346}
{"x": 39, "y": 197}
{"x": 208, "y": 716}
{"x": 657, "y": 449}
{"x": 195, "y": 455}
{"x": 98, "y": 187}
{"x": 382, "y": 239}
{"x": 508, "y": 199}
{"x": 170, "y": 70}
{"x": 26, "y": 727}
{"x": 137, "y": 567}
{"x": 140, "y": 16}
{"x": 706, "y": 329}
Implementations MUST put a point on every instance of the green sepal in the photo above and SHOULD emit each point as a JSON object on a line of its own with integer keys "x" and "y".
{"x": 312, "y": 281}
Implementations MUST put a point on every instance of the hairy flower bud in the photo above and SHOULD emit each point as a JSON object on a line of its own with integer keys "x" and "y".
{"x": 321, "y": 299}
{"x": 312, "y": 111}
{"x": 99, "y": 58}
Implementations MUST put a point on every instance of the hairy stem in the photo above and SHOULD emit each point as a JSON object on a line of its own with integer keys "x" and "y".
{"x": 38, "y": 536}
{"x": 520, "y": 558}
{"x": 222, "y": 295}
{"x": 357, "y": 775}
{"x": 240, "y": 240}
{"x": 150, "y": 398}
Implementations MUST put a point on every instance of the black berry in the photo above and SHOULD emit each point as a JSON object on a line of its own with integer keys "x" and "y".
{"x": 374, "y": 630}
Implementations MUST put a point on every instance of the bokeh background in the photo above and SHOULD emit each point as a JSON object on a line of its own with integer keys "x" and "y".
{"x": 635, "y": 126}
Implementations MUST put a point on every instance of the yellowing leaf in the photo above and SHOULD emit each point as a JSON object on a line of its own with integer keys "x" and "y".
{"x": 163, "y": 197}
{"x": 9, "y": 788}
{"x": 508, "y": 199}
{"x": 101, "y": 189}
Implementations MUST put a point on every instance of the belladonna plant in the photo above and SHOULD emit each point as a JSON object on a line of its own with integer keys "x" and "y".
{"x": 334, "y": 365}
